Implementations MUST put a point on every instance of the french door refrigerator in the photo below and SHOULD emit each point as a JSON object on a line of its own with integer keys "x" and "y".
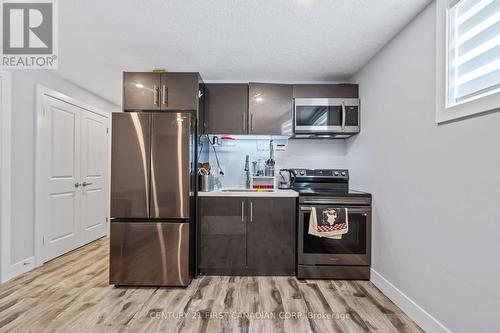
{"x": 152, "y": 198}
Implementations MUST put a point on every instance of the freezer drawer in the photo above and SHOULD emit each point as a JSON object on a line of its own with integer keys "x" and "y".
{"x": 149, "y": 254}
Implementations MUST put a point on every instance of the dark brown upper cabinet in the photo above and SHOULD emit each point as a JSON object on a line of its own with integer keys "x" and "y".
{"x": 343, "y": 90}
{"x": 270, "y": 108}
{"x": 179, "y": 91}
{"x": 226, "y": 108}
{"x": 140, "y": 91}
{"x": 160, "y": 91}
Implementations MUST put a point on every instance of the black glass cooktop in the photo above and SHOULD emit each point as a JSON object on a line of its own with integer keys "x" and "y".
{"x": 330, "y": 193}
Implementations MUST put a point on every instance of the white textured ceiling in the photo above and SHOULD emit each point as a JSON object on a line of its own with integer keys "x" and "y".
{"x": 252, "y": 40}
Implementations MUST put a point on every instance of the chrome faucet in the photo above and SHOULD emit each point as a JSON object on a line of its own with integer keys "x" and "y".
{"x": 247, "y": 171}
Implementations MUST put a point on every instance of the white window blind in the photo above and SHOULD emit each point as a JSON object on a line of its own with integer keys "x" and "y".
{"x": 473, "y": 49}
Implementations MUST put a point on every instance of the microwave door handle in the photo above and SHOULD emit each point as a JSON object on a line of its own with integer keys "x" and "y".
{"x": 343, "y": 115}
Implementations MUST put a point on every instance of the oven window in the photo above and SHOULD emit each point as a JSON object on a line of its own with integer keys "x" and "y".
{"x": 309, "y": 115}
{"x": 353, "y": 242}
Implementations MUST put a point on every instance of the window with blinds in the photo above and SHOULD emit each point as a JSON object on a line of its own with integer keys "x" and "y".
{"x": 473, "y": 49}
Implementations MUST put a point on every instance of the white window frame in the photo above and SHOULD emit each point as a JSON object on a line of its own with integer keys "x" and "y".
{"x": 473, "y": 106}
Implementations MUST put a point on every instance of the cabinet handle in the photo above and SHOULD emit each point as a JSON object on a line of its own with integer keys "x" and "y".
{"x": 77, "y": 185}
{"x": 155, "y": 95}
{"x": 251, "y": 211}
{"x": 251, "y": 122}
{"x": 243, "y": 211}
{"x": 243, "y": 121}
{"x": 164, "y": 95}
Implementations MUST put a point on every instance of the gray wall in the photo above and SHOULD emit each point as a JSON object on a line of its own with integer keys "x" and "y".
{"x": 436, "y": 188}
{"x": 298, "y": 154}
{"x": 23, "y": 149}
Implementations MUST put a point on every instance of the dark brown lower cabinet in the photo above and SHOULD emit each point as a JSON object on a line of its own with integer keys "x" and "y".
{"x": 222, "y": 245}
{"x": 247, "y": 236}
{"x": 271, "y": 236}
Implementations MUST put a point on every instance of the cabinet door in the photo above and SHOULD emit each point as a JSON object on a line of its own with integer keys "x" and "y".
{"x": 271, "y": 236}
{"x": 344, "y": 90}
{"x": 222, "y": 235}
{"x": 179, "y": 91}
{"x": 226, "y": 108}
{"x": 141, "y": 91}
{"x": 270, "y": 108}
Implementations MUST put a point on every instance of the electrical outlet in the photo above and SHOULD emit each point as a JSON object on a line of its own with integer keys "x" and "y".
{"x": 280, "y": 147}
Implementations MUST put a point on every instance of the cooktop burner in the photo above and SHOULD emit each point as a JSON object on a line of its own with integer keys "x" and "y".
{"x": 312, "y": 192}
{"x": 324, "y": 182}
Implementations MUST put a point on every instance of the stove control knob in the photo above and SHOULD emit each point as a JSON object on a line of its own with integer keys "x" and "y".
{"x": 343, "y": 173}
{"x": 336, "y": 173}
{"x": 302, "y": 173}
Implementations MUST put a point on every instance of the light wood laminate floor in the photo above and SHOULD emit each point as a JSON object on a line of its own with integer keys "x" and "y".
{"x": 71, "y": 294}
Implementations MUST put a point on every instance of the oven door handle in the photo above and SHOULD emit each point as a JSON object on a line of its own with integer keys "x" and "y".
{"x": 305, "y": 209}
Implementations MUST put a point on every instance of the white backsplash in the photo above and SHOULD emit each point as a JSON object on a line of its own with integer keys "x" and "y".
{"x": 300, "y": 153}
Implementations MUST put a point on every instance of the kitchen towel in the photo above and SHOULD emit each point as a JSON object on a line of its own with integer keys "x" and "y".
{"x": 333, "y": 223}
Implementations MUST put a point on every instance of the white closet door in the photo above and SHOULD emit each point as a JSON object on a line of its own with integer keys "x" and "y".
{"x": 61, "y": 146}
{"x": 94, "y": 170}
{"x": 75, "y": 158}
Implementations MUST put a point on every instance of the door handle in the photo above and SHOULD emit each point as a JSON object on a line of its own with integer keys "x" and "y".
{"x": 155, "y": 95}
{"x": 164, "y": 96}
{"x": 251, "y": 211}
{"x": 343, "y": 115}
{"x": 86, "y": 184}
{"x": 77, "y": 185}
{"x": 243, "y": 211}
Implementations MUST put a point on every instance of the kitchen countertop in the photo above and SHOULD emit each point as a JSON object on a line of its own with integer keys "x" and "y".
{"x": 248, "y": 193}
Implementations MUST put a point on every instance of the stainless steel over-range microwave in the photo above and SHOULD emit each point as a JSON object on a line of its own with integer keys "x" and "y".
{"x": 326, "y": 117}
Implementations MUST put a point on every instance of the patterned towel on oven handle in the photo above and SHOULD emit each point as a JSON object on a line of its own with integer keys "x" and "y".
{"x": 333, "y": 223}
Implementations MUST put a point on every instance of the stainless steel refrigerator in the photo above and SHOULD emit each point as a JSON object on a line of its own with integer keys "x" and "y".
{"x": 152, "y": 198}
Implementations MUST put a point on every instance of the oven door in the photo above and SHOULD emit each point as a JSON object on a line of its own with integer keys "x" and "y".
{"x": 326, "y": 115}
{"x": 353, "y": 249}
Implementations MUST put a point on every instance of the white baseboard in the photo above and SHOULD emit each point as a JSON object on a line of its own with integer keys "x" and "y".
{"x": 19, "y": 268}
{"x": 424, "y": 319}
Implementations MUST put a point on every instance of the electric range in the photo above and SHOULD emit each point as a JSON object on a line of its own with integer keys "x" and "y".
{"x": 326, "y": 258}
